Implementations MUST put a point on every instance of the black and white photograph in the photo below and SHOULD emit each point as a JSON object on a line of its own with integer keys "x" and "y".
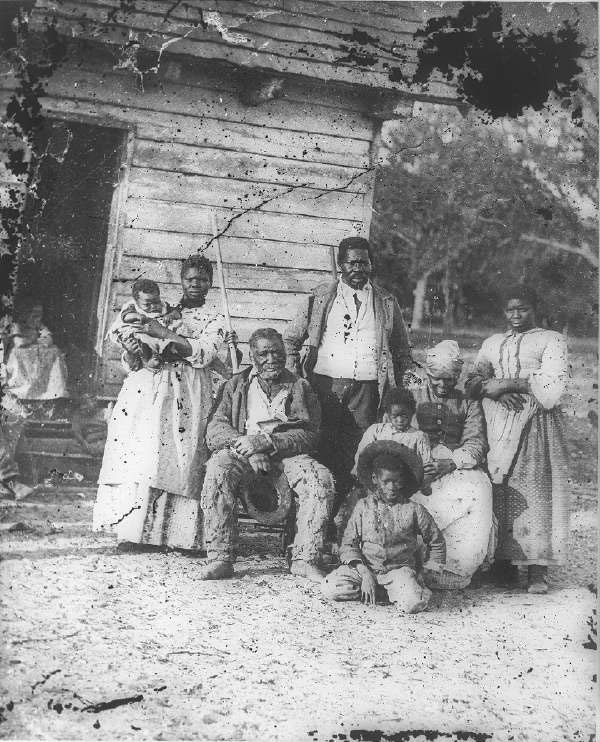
{"x": 298, "y": 370}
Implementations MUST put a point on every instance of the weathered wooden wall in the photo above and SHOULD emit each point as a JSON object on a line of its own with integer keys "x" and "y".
{"x": 362, "y": 43}
{"x": 289, "y": 178}
{"x": 292, "y": 175}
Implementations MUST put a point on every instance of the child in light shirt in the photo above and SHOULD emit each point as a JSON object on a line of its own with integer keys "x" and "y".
{"x": 399, "y": 408}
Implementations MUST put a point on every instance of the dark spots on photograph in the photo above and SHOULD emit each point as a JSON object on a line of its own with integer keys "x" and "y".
{"x": 499, "y": 71}
{"x": 409, "y": 735}
{"x": 96, "y": 708}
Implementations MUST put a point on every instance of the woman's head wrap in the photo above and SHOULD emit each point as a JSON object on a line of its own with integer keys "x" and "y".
{"x": 444, "y": 358}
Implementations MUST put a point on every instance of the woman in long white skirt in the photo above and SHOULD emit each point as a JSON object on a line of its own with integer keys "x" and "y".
{"x": 149, "y": 484}
{"x": 461, "y": 492}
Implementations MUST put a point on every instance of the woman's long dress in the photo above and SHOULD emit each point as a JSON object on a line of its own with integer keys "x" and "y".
{"x": 527, "y": 460}
{"x": 147, "y": 489}
{"x": 460, "y": 502}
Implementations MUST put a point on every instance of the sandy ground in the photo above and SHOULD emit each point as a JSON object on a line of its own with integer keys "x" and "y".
{"x": 264, "y": 657}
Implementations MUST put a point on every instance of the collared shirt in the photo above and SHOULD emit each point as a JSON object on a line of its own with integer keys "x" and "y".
{"x": 384, "y": 537}
{"x": 348, "y": 347}
{"x": 262, "y": 413}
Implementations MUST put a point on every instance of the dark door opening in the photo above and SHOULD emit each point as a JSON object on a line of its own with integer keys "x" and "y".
{"x": 65, "y": 238}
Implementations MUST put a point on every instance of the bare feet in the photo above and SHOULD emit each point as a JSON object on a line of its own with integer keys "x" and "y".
{"x": 300, "y": 568}
{"x": 216, "y": 571}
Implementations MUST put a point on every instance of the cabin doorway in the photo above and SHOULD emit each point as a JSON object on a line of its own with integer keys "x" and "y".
{"x": 67, "y": 222}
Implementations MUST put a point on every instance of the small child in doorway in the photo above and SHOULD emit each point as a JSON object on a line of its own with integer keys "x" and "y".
{"x": 145, "y": 304}
{"x": 379, "y": 547}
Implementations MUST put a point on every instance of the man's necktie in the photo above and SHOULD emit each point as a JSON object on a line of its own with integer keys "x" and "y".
{"x": 358, "y": 303}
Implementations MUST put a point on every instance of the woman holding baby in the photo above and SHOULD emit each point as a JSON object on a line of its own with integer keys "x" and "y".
{"x": 148, "y": 485}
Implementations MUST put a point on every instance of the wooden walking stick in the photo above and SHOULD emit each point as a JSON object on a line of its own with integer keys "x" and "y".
{"x": 333, "y": 263}
{"x": 232, "y": 348}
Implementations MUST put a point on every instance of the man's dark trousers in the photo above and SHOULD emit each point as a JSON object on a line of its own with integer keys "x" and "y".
{"x": 348, "y": 408}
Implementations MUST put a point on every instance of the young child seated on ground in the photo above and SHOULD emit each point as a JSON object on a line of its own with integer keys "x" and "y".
{"x": 379, "y": 546}
{"x": 145, "y": 304}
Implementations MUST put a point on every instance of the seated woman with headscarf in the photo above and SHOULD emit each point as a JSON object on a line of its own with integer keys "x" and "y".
{"x": 461, "y": 493}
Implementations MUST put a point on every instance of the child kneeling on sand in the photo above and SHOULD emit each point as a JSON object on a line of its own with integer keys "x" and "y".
{"x": 379, "y": 546}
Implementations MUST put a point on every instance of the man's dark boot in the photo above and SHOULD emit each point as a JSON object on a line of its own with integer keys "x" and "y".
{"x": 537, "y": 579}
{"x": 504, "y": 574}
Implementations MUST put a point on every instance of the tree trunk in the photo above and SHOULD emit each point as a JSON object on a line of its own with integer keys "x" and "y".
{"x": 419, "y": 301}
{"x": 448, "y": 300}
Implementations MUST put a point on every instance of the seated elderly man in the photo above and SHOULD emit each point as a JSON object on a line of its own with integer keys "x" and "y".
{"x": 266, "y": 418}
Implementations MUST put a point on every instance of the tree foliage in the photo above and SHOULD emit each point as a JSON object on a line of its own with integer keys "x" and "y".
{"x": 478, "y": 204}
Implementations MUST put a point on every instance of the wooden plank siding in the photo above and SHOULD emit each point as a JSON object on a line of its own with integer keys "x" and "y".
{"x": 286, "y": 179}
{"x": 289, "y": 194}
{"x": 227, "y": 193}
{"x": 237, "y": 276}
{"x": 311, "y": 39}
{"x": 157, "y": 244}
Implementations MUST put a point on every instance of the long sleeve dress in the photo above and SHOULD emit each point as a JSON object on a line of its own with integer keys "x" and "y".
{"x": 148, "y": 492}
{"x": 527, "y": 460}
{"x": 460, "y": 502}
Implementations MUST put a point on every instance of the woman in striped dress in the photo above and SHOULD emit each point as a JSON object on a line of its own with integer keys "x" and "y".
{"x": 520, "y": 376}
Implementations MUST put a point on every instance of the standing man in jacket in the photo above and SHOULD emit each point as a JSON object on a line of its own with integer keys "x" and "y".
{"x": 356, "y": 346}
